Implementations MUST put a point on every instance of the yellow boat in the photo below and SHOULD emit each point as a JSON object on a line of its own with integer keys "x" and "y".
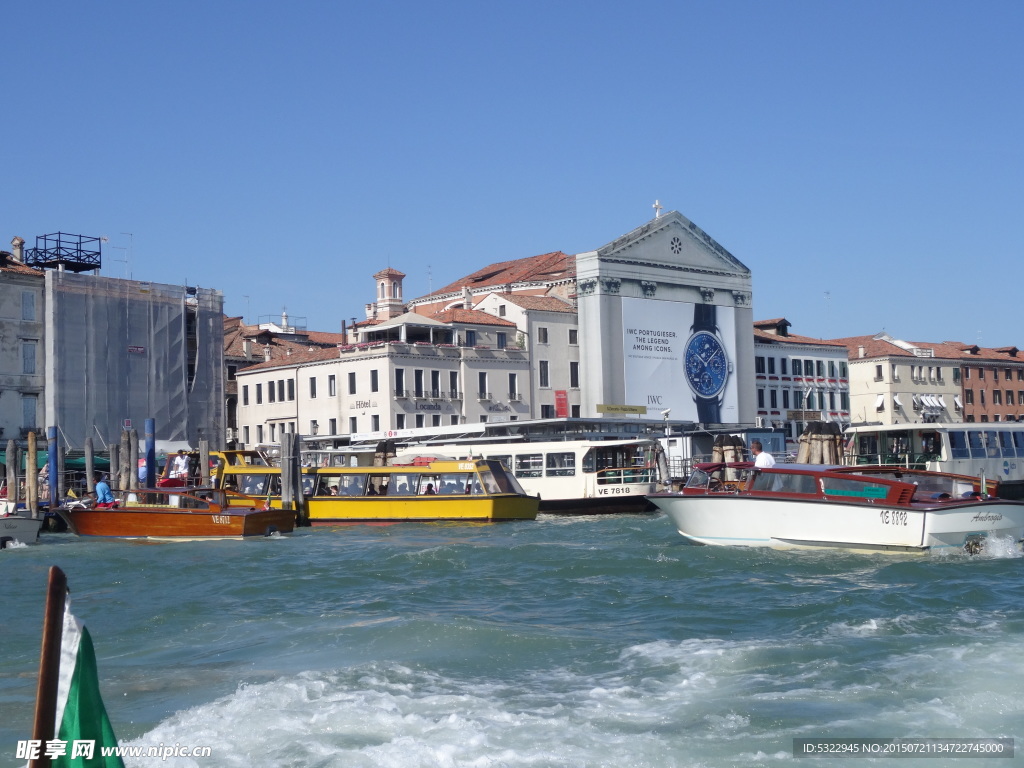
{"x": 473, "y": 490}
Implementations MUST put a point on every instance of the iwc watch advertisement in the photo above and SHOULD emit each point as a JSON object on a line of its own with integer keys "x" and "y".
{"x": 678, "y": 358}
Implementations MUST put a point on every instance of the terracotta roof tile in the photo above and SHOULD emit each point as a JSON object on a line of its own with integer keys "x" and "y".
{"x": 547, "y": 267}
{"x": 544, "y": 303}
{"x": 471, "y": 317}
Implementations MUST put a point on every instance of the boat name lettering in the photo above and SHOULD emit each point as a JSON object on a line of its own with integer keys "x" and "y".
{"x": 221, "y": 519}
{"x": 986, "y": 517}
{"x": 893, "y": 517}
{"x": 464, "y": 465}
{"x": 611, "y": 490}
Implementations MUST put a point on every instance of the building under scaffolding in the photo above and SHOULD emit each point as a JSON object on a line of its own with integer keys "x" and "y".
{"x": 121, "y": 351}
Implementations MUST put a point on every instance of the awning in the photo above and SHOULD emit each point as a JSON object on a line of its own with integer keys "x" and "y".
{"x": 942, "y": 403}
{"x": 880, "y": 403}
{"x": 929, "y": 401}
{"x": 917, "y": 402}
{"x": 896, "y": 399}
{"x": 959, "y": 405}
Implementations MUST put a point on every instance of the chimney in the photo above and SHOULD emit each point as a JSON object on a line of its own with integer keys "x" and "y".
{"x": 266, "y": 353}
{"x": 247, "y": 348}
{"x": 467, "y": 297}
{"x": 860, "y": 351}
{"x": 18, "y": 249}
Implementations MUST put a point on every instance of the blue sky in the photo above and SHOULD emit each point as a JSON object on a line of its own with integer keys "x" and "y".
{"x": 864, "y": 159}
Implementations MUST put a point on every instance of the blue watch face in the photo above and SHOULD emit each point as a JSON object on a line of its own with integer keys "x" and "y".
{"x": 707, "y": 366}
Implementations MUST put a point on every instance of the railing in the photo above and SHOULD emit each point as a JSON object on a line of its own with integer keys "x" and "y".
{"x": 403, "y": 393}
{"x": 627, "y": 475}
{"x": 515, "y": 397}
{"x": 483, "y": 395}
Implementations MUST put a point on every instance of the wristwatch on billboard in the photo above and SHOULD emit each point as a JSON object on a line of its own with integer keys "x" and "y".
{"x": 707, "y": 364}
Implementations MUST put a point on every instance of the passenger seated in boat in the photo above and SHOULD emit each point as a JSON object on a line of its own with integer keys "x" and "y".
{"x": 370, "y": 490}
{"x": 334, "y": 490}
{"x": 429, "y": 491}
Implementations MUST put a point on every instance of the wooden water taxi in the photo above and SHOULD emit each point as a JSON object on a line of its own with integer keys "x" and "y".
{"x": 473, "y": 490}
{"x": 190, "y": 513}
{"x": 810, "y": 506}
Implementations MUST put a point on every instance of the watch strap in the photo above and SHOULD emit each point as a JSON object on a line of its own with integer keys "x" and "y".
{"x": 704, "y": 318}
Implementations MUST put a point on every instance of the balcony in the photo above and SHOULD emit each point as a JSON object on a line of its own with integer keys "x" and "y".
{"x": 453, "y": 394}
{"x": 402, "y": 394}
{"x": 482, "y": 396}
{"x": 515, "y": 397}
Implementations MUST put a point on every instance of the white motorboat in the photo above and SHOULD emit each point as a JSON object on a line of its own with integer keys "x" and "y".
{"x": 884, "y": 509}
{"x": 17, "y": 526}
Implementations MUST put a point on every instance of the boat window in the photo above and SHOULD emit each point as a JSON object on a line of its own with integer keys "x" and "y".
{"x": 992, "y": 445}
{"x": 698, "y": 479}
{"x": 454, "y": 483}
{"x": 867, "y": 448}
{"x": 849, "y": 486}
{"x": 1018, "y": 441}
{"x": 1006, "y": 444}
{"x": 529, "y": 465}
{"x": 975, "y": 440}
{"x": 561, "y": 464}
{"x": 379, "y": 485}
{"x": 352, "y": 485}
{"x": 958, "y": 447}
{"x": 402, "y": 484}
{"x": 429, "y": 485}
{"x": 785, "y": 483}
{"x": 497, "y": 480}
{"x": 308, "y": 484}
{"x": 506, "y": 461}
{"x": 260, "y": 485}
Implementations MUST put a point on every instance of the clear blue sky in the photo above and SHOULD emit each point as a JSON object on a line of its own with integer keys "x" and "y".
{"x": 864, "y": 159}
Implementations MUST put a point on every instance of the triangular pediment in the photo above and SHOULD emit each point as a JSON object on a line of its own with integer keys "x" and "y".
{"x": 672, "y": 240}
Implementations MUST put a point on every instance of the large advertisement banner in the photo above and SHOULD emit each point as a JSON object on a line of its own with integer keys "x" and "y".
{"x": 680, "y": 357}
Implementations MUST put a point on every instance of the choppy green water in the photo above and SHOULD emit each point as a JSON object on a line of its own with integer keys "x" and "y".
{"x": 602, "y": 641}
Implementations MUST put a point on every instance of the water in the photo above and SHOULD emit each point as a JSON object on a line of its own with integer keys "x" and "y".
{"x": 594, "y": 641}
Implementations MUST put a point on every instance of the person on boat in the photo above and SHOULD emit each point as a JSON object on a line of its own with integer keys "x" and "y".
{"x": 762, "y": 460}
{"x": 430, "y": 490}
{"x": 104, "y": 498}
{"x": 179, "y": 469}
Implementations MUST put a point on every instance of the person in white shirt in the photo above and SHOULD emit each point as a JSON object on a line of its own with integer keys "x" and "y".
{"x": 762, "y": 460}
{"x": 179, "y": 468}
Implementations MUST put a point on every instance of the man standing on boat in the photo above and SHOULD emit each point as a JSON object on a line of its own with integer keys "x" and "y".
{"x": 762, "y": 460}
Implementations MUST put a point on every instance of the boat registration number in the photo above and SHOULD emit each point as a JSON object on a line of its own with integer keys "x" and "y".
{"x": 893, "y": 517}
{"x": 221, "y": 519}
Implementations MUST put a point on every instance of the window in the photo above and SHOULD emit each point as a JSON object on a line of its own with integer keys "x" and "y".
{"x": 878, "y": 373}
{"x": 352, "y": 382}
{"x": 400, "y": 382}
{"x": 997, "y": 397}
{"x": 771, "y": 365}
{"x": 314, "y": 427}
{"x": 280, "y": 390}
{"x": 542, "y": 335}
{"x": 969, "y": 396}
{"x": 842, "y": 370}
{"x": 259, "y": 433}
{"x": 574, "y": 411}
{"x": 245, "y": 395}
{"x": 785, "y": 398}
{"x": 956, "y": 375}
{"x": 543, "y": 373}
{"x": 29, "y": 404}
{"x": 353, "y": 421}
{"x": 271, "y": 392}
{"x": 312, "y": 387}
{"x": 831, "y": 369}
{"x": 547, "y": 411}
{"x": 820, "y": 366}
{"x": 981, "y": 373}
{"x": 375, "y": 423}
{"x": 513, "y": 391}
{"x": 291, "y": 389}
{"x": 453, "y": 419}
{"x": 245, "y": 435}
{"x": 981, "y": 396}
{"x": 419, "y": 421}
{"x": 417, "y": 382}
{"x": 798, "y": 400}
{"x": 844, "y": 401}
{"x": 28, "y": 357}
{"x": 374, "y": 383}
{"x": 453, "y": 384}
{"x": 482, "y": 383}
{"x": 760, "y": 399}
{"x": 831, "y": 401}
{"x": 501, "y": 310}
{"x": 574, "y": 336}
{"x": 332, "y": 385}
{"x": 470, "y": 338}
{"x": 774, "y": 398}
{"x": 232, "y": 372}
{"x": 782, "y": 365}
{"x": 759, "y": 365}
{"x": 400, "y": 421}
{"x": 28, "y": 306}
{"x": 435, "y": 383}
{"x": 259, "y": 394}
{"x": 574, "y": 375}
{"x": 560, "y": 464}
{"x": 502, "y": 340}
{"x": 435, "y": 420}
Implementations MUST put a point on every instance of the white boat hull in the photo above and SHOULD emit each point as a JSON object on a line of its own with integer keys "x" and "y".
{"x": 24, "y": 530}
{"x": 733, "y": 520}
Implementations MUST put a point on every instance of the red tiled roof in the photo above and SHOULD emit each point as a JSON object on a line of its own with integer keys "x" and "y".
{"x": 544, "y": 303}
{"x": 471, "y": 317}
{"x": 9, "y": 264}
{"x": 547, "y": 267}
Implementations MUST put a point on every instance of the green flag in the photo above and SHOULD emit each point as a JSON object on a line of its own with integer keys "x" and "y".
{"x": 82, "y": 720}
